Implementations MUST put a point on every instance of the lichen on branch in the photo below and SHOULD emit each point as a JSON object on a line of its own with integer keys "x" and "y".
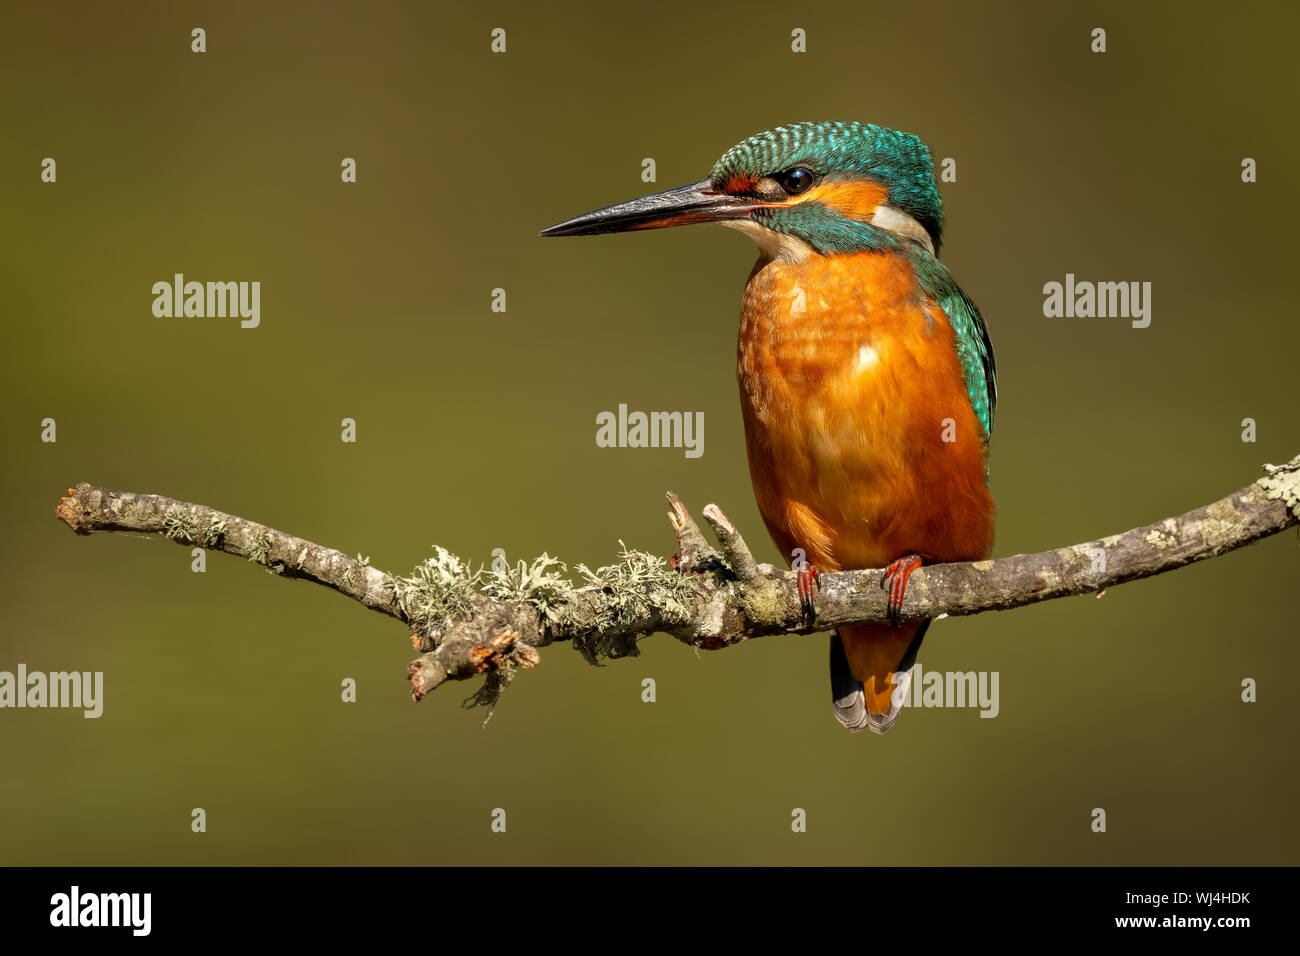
{"x": 469, "y": 622}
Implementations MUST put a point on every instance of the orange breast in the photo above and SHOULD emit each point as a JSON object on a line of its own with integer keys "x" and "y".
{"x": 862, "y": 442}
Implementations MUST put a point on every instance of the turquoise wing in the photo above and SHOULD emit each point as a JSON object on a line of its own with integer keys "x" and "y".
{"x": 975, "y": 351}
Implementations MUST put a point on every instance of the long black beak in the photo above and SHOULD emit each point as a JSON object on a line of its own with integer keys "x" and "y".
{"x": 698, "y": 202}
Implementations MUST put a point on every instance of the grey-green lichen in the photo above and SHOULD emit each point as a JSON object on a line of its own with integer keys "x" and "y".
{"x": 213, "y": 533}
{"x": 178, "y": 524}
{"x": 1160, "y": 540}
{"x": 768, "y": 602}
{"x": 640, "y": 588}
{"x": 257, "y": 547}
{"x": 540, "y": 585}
{"x": 1283, "y": 482}
{"x": 489, "y": 695}
{"x": 440, "y": 591}
{"x": 184, "y": 525}
{"x": 1220, "y": 524}
{"x": 640, "y": 585}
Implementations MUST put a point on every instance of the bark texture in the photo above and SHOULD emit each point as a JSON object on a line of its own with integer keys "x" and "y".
{"x": 467, "y": 623}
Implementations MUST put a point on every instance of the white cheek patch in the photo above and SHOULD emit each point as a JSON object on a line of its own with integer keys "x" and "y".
{"x": 773, "y": 244}
{"x": 901, "y": 224}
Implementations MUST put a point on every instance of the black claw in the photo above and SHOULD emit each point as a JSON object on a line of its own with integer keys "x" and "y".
{"x": 806, "y": 579}
{"x": 898, "y": 592}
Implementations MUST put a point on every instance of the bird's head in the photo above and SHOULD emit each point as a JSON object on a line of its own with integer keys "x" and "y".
{"x": 796, "y": 190}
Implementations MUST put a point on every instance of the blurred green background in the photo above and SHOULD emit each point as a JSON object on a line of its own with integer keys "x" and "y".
{"x": 476, "y": 429}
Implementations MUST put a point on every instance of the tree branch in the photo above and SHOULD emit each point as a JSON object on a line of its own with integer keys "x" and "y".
{"x": 88, "y": 509}
{"x": 491, "y": 622}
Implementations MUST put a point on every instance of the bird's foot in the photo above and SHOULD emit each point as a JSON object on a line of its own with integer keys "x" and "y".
{"x": 808, "y": 577}
{"x": 895, "y": 576}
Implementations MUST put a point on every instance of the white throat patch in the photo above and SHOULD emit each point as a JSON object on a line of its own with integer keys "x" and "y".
{"x": 773, "y": 244}
{"x": 778, "y": 245}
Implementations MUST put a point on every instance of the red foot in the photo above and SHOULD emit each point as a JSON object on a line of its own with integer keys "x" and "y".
{"x": 896, "y": 576}
{"x": 807, "y": 578}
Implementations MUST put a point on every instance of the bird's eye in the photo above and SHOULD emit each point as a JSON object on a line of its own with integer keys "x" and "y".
{"x": 795, "y": 181}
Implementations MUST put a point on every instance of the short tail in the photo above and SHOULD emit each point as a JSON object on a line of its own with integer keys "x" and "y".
{"x": 871, "y": 668}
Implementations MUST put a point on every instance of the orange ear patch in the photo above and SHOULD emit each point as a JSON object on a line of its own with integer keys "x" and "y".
{"x": 852, "y": 198}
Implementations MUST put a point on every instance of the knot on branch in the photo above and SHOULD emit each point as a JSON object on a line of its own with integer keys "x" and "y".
{"x": 499, "y": 656}
{"x": 503, "y": 650}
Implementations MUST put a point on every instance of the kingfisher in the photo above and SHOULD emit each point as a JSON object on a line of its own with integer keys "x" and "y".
{"x": 867, "y": 378}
